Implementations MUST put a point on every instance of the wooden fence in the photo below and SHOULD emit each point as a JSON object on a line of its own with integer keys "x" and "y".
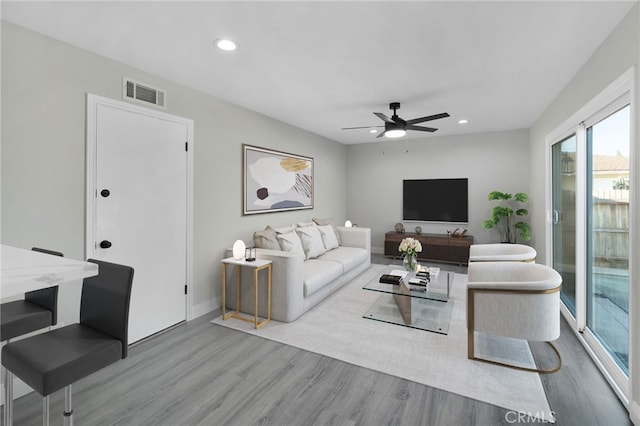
{"x": 610, "y": 229}
{"x": 611, "y": 233}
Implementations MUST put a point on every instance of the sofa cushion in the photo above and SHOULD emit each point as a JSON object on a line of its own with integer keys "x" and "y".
{"x": 311, "y": 241}
{"x": 331, "y": 222}
{"x": 329, "y": 238}
{"x": 348, "y": 257}
{"x": 290, "y": 242}
{"x": 318, "y": 273}
{"x": 285, "y": 229}
{"x": 266, "y": 239}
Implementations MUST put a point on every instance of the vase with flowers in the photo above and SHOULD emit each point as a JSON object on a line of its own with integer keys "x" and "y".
{"x": 410, "y": 247}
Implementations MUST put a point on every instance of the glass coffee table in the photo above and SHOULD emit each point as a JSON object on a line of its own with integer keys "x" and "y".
{"x": 413, "y": 306}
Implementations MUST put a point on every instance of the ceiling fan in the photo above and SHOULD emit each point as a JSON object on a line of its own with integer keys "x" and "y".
{"x": 395, "y": 127}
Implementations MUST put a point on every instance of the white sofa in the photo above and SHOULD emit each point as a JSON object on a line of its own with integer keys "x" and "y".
{"x": 501, "y": 253}
{"x": 298, "y": 283}
{"x": 513, "y": 299}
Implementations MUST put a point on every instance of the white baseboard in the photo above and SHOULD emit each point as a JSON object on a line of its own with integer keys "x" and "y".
{"x": 205, "y": 307}
{"x": 634, "y": 412}
{"x": 377, "y": 250}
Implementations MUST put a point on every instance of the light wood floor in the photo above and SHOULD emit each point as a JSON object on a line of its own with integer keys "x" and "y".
{"x": 203, "y": 374}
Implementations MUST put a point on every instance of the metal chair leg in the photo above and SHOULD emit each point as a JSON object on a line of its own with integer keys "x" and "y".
{"x": 45, "y": 410}
{"x": 8, "y": 398}
{"x": 3, "y": 377}
{"x": 68, "y": 409}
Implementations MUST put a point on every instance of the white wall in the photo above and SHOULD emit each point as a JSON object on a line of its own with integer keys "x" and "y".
{"x": 491, "y": 161}
{"x": 44, "y": 84}
{"x": 619, "y": 52}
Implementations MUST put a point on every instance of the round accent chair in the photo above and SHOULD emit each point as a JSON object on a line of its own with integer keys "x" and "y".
{"x": 520, "y": 300}
{"x": 501, "y": 253}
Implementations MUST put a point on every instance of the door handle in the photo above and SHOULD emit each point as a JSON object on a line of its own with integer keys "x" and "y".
{"x": 105, "y": 244}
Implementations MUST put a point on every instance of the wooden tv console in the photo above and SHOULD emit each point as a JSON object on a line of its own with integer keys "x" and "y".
{"x": 436, "y": 247}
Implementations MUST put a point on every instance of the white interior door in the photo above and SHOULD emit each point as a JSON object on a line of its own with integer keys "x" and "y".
{"x": 141, "y": 209}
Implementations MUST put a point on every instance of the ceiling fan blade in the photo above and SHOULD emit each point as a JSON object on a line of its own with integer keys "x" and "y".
{"x": 363, "y": 127}
{"x": 421, "y": 129}
{"x": 381, "y": 134}
{"x": 428, "y": 118}
{"x": 383, "y": 117}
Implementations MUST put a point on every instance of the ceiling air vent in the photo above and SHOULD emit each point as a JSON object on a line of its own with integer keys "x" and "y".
{"x": 139, "y": 92}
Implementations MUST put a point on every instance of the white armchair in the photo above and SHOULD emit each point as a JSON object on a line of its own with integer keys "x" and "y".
{"x": 501, "y": 253}
{"x": 513, "y": 299}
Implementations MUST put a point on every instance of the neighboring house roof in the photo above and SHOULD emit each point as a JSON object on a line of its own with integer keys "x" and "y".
{"x": 612, "y": 163}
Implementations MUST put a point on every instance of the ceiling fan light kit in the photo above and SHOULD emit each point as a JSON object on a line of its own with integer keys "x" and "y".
{"x": 396, "y": 127}
{"x": 395, "y": 133}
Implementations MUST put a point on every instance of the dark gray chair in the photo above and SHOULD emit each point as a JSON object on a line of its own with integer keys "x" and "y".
{"x": 56, "y": 359}
{"x": 38, "y": 310}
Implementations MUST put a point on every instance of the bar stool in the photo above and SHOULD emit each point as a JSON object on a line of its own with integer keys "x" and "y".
{"x": 38, "y": 310}
{"x": 56, "y": 359}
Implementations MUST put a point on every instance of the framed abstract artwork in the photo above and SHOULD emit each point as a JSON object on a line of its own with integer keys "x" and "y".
{"x": 275, "y": 181}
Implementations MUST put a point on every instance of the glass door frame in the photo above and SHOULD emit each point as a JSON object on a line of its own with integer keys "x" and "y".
{"x": 621, "y": 92}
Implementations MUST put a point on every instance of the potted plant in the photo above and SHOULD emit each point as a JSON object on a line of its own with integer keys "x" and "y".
{"x": 502, "y": 216}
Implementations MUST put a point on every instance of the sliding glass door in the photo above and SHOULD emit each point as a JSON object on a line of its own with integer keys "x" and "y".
{"x": 608, "y": 143}
{"x": 589, "y": 215}
{"x": 563, "y": 217}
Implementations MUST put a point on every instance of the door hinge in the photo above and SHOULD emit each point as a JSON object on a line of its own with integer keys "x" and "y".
{"x": 185, "y": 289}
{"x": 186, "y": 146}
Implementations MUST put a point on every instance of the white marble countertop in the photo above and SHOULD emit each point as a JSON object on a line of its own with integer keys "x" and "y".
{"x": 26, "y": 270}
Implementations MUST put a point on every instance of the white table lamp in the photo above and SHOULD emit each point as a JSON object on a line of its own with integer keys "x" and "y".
{"x": 238, "y": 250}
{"x": 348, "y": 224}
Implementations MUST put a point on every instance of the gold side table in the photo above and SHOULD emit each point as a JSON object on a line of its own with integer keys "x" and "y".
{"x": 257, "y": 265}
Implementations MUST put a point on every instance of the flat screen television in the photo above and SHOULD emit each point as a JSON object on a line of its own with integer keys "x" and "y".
{"x": 436, "y": 200}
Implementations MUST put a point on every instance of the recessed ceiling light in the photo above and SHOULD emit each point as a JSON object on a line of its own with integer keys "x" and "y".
{"x": 373, "y": 130}
{"x": 463, "y": 121}
{"x": 226, "y": 44}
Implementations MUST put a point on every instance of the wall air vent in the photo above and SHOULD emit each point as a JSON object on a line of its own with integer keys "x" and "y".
{"x": 140, "y": 92}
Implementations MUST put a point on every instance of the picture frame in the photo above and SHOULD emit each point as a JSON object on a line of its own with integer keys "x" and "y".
{"x": 275, "y": 181}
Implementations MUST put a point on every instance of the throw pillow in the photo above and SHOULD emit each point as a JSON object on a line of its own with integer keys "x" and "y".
{"x": 305, "y": 224}
{"x": 285, "y": 229}
{"x": 328, "y": 237}
{"x": 266, "y": 239}
{"x": 290, "y": 242}
{"x": 331, "y": 222}
{"x": 311, "y": 241}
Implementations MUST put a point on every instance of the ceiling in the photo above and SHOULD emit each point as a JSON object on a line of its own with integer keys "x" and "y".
{"x": 326, "y": 65}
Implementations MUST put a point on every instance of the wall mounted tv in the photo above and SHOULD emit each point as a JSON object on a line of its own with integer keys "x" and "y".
{"x": 435, "y": 200}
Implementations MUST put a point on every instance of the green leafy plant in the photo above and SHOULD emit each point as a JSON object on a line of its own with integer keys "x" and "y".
{"x": 504, "y": 216}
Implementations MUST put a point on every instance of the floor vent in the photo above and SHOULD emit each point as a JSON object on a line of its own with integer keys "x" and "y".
{"x": 139, "y": 92}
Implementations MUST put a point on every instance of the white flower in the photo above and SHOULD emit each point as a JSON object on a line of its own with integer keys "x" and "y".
{"x": 410, "y": 245}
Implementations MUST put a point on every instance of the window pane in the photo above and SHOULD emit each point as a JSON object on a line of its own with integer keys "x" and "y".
{"x": 608, "y": 234}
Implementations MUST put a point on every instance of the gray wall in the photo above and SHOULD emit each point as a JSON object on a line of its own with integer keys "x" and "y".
{"x": 619, "y": 52}
{"x": 491, "y": 161}
{"x": 44, "y": 85}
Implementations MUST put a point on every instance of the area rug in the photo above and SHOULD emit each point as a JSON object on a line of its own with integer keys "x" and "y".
{"x": 335, "y": 328}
